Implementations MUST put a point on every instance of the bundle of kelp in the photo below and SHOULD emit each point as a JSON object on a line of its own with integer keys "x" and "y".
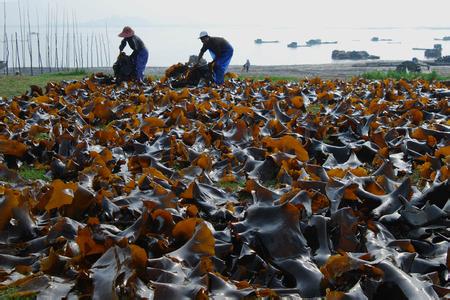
{"x": 124, "y": 68}
{"x": 188, "y": 74}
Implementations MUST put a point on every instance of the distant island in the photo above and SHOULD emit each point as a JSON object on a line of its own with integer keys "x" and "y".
{"x": 435, "y": 52}
{"x": 261, "y": 41}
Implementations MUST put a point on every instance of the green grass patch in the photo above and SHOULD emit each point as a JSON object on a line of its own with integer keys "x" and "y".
{"x": 313, "y": 108}
{"x": 232, "y": 186}
{"x": 271, "y": 78}
{"x": 31, "y": 173}
{"x": 16, "y": 85}
{"x": 380, "y": 75}
{"x": 4, "y": 179}
{"x": 42, "y": 136}
{"x": 13, "y": 293}
{"x": 271, "y": 184}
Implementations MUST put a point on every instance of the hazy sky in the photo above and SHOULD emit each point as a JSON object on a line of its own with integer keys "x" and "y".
{"x": 279, "y": 13}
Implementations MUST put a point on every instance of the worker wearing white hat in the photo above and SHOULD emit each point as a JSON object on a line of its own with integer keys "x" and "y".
{"x": 221, "y": 52}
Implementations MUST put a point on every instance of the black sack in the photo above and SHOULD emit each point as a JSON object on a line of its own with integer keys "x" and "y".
{"x": 124, "y": 68}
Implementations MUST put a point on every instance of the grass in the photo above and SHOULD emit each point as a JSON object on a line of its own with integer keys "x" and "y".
{"x": 313, "y": 108}
{"x": 42, "y": 136}
{"x": 271, "y": 183}
{"x": 31, "y": 173}
{"x": 13, "y": 293}
{"x": 15, "y": 85}
{"x": 231, "y": 186}
{"x": 380, "y": 75}
{"x": 271, "y": 78}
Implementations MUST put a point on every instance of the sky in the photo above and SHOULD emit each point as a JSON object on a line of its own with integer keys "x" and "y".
{"x": 274, "y": 14}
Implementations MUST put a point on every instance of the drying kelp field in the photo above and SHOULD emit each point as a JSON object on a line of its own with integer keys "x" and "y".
{"x": 255, "y": 189}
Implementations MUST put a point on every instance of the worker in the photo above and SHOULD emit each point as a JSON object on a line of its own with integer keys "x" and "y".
{"x": 246, "y": 66}
{"x": 221, "y": 53}
{"x": 140, "y": 52}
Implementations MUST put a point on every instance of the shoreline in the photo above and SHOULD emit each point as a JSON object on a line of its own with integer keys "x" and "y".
{"x": 337, "y": 70}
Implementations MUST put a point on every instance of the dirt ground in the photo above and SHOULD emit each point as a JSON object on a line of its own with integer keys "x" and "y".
{"x": 338, "y": 70}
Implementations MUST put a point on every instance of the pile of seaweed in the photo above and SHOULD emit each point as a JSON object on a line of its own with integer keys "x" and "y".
{"x": 253, "y": 189}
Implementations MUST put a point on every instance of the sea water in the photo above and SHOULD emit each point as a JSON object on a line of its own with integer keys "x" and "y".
{"x": 172, "y": 44}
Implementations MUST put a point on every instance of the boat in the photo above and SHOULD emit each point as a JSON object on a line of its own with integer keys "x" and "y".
{"x": 377, "y": 39}
{"x": 435, "y": 52}
{"x": 445, "y": 38}
{"x": 261, "y": 41}
{"x": 314, "y": 42}
{"x": 296, "y": 45}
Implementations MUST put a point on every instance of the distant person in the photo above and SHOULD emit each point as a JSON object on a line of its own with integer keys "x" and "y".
{"x": 221, "y": 53}
{"x": 140, "y": 53}
{"x": 246, "y": 66}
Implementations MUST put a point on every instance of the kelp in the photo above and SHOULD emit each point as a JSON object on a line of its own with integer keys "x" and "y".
{"x": 254, "y": 189}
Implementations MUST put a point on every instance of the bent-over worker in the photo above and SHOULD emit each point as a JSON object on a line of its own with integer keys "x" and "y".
{"x": 221, "y": 52}
{"x": 140, "y": 52}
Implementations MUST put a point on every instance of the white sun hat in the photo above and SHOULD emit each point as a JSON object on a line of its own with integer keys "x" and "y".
{"x": 202, "y": 34}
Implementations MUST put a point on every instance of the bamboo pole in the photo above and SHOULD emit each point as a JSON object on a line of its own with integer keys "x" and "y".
{"x": 56, "y": 40}
{"x": 18, "y": 54}
{"x": 80, "y": 39}
{"x": 30, "y": 41}
{"x": 48, "y": 39}
{"x": 63, "y": 40}
{"x": 6, "y": 45}
{"x": 87, "y": 50}
{"x": 108, "y": 45}
{"x": 39, "y": 44}
{"x": 74, "y": 43}
{"x": 104, "y": 50}
{"x": 67, "y": 43}
{"x": 79, "y": 42}
{"x": 22, "y": 40}
{"x": 96, "y": 50}
{"x": 12, "y": 54}
{"x": 92, "y": 50}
